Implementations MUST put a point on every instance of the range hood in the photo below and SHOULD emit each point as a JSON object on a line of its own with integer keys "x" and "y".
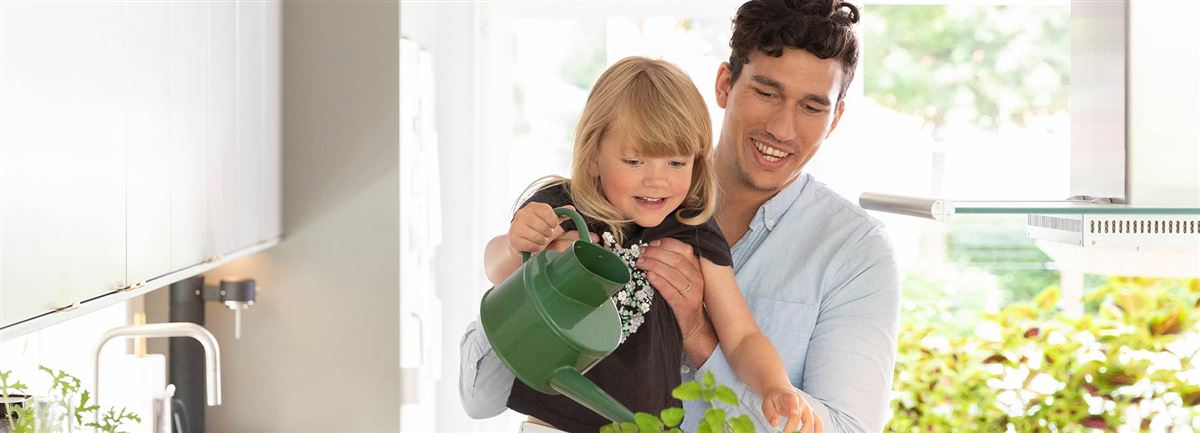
{"x": 1135, "y": 137}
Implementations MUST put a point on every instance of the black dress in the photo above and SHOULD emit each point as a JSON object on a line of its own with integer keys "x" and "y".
{"x": 645, "y": 368}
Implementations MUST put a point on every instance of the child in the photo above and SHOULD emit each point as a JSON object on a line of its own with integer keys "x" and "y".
{"x": 642, "y": 171}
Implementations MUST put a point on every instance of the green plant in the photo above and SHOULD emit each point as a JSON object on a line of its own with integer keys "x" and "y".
{"x": 67, "y": 391}
{"x": 715, "y": 418}
{"x": 1129, "y": 364}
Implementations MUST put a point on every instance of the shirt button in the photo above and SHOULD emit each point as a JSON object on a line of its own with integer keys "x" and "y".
{"x": 771, "y": 222}
{"x": 685, "y": 369}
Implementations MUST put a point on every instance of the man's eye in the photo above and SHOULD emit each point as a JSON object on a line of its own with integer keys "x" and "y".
{"x": 812, "y": 109}
{"x": 764, "y": 94}
{"x": 632, "y": 162}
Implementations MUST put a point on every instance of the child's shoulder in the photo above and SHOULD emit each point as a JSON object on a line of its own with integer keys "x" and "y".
{"x": 554, "y": 194}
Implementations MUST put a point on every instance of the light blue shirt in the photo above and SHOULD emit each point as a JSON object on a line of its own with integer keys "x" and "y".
{"x": 820, "y": 279}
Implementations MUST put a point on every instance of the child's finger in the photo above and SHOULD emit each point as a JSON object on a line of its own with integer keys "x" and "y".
{"x": 770, "y": 412}
{"x": 791, "y": 405}
{"x": 562, "y": 218}
{"x": 809, "y": 423}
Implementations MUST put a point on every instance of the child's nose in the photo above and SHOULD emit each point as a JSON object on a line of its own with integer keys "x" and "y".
{"x": 655, "y": 179}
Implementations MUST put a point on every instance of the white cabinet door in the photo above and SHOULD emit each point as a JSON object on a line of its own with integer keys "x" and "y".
{"x": 148, "y": 139}
{"x": 250, "y": 193}
{"x": 62, "y": 138}
{"x": 222, "y": 127}
{"x": 272, "y": 121}
{"x": 187, "y": 115}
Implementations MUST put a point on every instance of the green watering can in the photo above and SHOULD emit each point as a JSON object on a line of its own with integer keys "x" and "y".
{"x": 552, "y": 320}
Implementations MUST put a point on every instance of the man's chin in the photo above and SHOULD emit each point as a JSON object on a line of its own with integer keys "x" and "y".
{"x": 759, "y": 184}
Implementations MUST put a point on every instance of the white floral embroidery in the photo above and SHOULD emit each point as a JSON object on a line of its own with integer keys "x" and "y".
{"x": 633, "y": 300}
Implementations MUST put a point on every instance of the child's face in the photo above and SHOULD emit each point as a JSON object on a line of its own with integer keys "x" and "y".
{"x": 644, "y": 189}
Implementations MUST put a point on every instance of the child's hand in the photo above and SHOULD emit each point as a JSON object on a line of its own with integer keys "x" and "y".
{"x": 533, "y": 228}
{"x": 784, "y": 401}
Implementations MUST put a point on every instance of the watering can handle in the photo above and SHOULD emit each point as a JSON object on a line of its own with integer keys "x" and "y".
{"x": 580, "y": 225}
{"x": 569, "y": 382}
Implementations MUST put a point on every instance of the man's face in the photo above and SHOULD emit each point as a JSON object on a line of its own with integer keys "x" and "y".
{"x": 777, "y": 114}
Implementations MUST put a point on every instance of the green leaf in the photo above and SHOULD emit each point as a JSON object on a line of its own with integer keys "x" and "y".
{"x": 709, "y": 380}
{"x": 687, "y": 391}
{"x": 727, "y": 396}
{"x": 742, "y": 424}
{"x": 1048, "y": 298}
{"x": 672, "y": 416}
{"x": 648, "y": 423}
{"x": 704, "y": 427}
{"x": 715, "y": 417}
{"x": 628, "y": 427}
{"x": 611, "y": 428}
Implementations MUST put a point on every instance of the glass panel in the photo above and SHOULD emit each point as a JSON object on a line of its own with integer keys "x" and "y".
{"x": 1066, "y": 207}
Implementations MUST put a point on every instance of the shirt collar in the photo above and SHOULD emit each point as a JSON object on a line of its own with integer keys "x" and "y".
{"x": 772, "y": 211}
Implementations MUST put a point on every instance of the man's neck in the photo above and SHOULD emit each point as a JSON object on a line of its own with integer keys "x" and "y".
{"x": 736, "y": 206}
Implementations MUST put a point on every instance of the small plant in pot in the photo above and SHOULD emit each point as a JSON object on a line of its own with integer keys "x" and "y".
{"x": 61, "y": 408}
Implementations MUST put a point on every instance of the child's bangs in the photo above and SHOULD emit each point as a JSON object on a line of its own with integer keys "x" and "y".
{"x": 658, "y": 118}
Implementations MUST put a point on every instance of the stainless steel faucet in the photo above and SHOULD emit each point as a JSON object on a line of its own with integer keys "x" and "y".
{"x": 212, "y": 353}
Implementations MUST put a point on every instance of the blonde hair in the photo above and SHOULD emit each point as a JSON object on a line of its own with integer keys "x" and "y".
{"x": 664, "y": 114}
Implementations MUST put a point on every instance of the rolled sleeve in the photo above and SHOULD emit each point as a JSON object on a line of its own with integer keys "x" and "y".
{"x": 484, "y": 383}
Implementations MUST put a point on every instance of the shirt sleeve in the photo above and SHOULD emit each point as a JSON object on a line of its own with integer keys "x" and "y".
{"x": 484, "y": 383}
{"x": 710, "y": 243}
{"x": 851, "y": 353}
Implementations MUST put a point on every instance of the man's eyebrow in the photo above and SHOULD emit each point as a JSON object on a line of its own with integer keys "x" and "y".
{"x": 767, "y": 81}
{"x": 818, "y": 99}
{"x": 778, "y": 87}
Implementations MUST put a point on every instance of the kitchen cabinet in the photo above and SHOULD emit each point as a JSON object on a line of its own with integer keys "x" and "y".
{"x": 62, "y": 135}
{"x": 137, "y": 141}
{"x": 148, "y": 140}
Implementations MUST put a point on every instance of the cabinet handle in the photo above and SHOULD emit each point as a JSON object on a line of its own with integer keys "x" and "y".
{"x": 67, "y": 308}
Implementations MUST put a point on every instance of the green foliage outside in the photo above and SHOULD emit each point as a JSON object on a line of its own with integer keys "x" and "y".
{"x": 1129, "y": 363}
{"x": 67, "y": 392}
{"x": 981, "y": 65}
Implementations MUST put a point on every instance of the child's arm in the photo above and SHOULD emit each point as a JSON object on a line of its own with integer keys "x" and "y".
{"x": 535, "y": 227}
{"x": 751, "y": 354}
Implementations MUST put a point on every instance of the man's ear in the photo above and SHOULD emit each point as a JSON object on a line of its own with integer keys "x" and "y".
{"x": 837, "y": 117}
{"x": 724, "y": 83}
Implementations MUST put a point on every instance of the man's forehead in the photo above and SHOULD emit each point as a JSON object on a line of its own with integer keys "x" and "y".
{"x": 795, "y": 71}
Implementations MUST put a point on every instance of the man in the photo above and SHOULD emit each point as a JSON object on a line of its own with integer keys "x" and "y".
{"x": 817, "y": 272}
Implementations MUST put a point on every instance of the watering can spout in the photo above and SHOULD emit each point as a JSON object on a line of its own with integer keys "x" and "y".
{"x": 569, "y": 382}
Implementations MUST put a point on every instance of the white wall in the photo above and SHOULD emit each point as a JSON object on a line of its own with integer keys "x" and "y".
{"x": 320, "y": 349}
{"x": 470, "y": 179}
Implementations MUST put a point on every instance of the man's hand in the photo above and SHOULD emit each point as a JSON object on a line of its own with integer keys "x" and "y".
{"x": 674, "y": 271}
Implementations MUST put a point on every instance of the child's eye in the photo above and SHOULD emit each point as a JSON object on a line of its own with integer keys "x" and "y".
{"x": 679, "y": 164}
{"x": 632, "y": 162}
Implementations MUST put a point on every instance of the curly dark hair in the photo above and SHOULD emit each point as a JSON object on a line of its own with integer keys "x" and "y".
{"x": 821, "y": 27}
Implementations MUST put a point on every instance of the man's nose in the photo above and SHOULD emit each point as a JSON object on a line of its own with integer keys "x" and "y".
{"x": 783, "y": 125}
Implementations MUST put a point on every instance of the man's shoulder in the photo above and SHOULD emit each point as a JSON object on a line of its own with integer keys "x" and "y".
{"x": 821, "y": 208}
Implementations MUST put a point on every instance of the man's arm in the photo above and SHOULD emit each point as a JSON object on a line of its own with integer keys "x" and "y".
{"x": 851, "y": 353}
{"x": 484, "y": 383}
{"x": 852, "y": 350}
